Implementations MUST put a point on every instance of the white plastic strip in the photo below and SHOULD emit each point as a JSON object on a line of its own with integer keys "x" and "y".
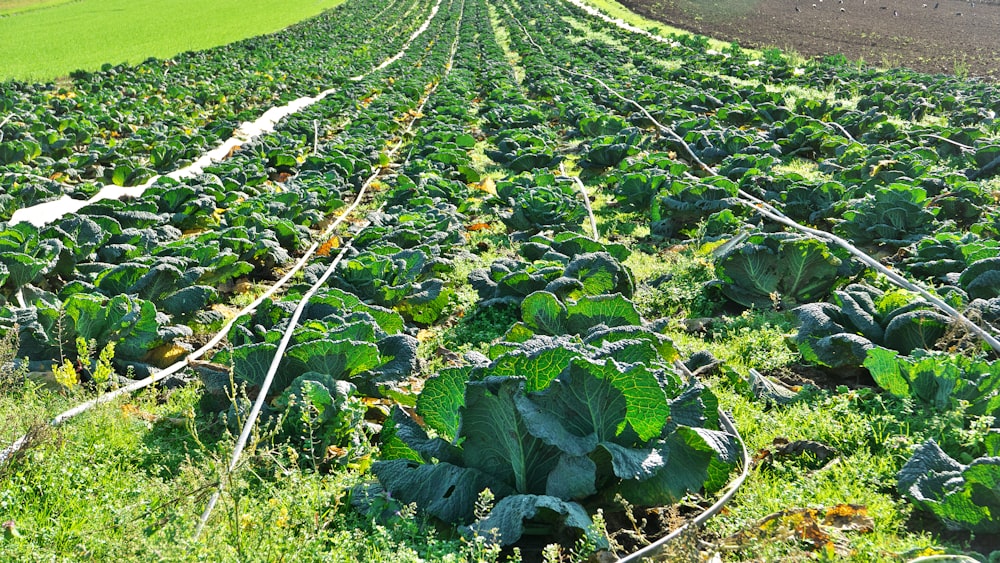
{"x": 622, "y": 23}
{"x": 215, "y": 340}
{"x": 595, "y": 234}
{"x": 208, "y": 346}
{"x": 44, "y": 213}
{"x": 279, "y": 352}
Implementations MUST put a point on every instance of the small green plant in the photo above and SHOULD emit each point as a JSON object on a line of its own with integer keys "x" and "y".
{"x": 323, "y": 419}
{"x": 484, "y": 547}
{"x": 100, "y": 368}
{"x": 11, "y": 374}
{"x": 961, "y": 69}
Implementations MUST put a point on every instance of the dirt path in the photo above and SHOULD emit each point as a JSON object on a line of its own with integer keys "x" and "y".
{"x": 937, "y": 36}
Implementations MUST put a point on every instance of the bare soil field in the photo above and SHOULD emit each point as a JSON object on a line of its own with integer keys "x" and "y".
{"x": 937, "y": 36}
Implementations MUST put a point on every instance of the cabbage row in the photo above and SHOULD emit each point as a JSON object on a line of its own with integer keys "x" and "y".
{"x": 910, "y": 182}
{"x": 166, "y": 259}
{"x": 579, "y": 402}
{"x": 122, "y": 125}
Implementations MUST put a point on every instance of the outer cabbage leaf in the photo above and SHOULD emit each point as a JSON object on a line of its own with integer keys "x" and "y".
{"x": 506, "y": 520}
{"x": 443, "y": 490}
{"x": 607, "y": 310}
{"x": 495, "y": 439}
{"x": 768, "y": 268}
{"x": 937, "y": 379}
{"x": 961, "y": 496}
{"x": 695, "y": 458}
{"x": 441, "y": 398}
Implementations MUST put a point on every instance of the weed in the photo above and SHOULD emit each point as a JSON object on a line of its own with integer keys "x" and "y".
{"x": 12, "y": 372}
{"x": 960, "y": 68}
{"x": 483, "y": 326}
{"x": 484, "y": 548}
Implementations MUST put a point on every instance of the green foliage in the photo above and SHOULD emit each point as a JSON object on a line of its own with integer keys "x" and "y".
{"x": 539, "y": 203}
{"x": 339, "y": 338}
{"x": 522, "y": 152}
{"x": 940, "y": 380}
{"x": 963, "y": 497}
{"x": 610, "y": 150}
{"x": 561, "y": 426}
{"x": 684, "y": 203}
{"x": 777, "y": 270}
{"x": 591, "y": 274}
{"x": 546, "y": 313}
{"x": 402, "y": 279}
{"x": 893, "y": 216}
{"x": 840, "y": 334}
{"x": 318, "y": 412}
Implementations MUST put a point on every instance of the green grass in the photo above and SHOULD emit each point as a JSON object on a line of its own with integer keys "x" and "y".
{"x": 45, "y": 44}
{"x": 9, "y": 7}
{"x": 128, "y": 481}
{"x": 616, "y": 10}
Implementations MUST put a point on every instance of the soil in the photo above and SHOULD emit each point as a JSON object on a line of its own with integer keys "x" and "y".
{"x": 823, "y": 378}
{"x": 936, "y": 36}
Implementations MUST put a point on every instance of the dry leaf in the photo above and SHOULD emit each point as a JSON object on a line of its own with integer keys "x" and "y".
{"x": 804, "y": 525}
{"x": 133, "y": 411}
{"x": 849, "y": 517}
{"x": 330, "y": 244}
{"x": 487, "y": 185}
{"x": 335, "y": 452}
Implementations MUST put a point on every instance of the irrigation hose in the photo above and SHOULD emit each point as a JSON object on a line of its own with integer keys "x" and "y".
{"x": 215, "y": 340}
{"x": 208, "y": 346}
{"x": 286, "y": 337}
{"x": 652, "y": 549}
{"x": 767, "y": 210}
{"x": 944, "y": 558}
{"x": 729, "y": 426}
{"x": 596, "y": 235}
{"x": 258, "y": 404}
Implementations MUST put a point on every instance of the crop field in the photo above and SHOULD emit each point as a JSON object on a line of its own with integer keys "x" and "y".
{"x": 470, "y": 280}
{"x": 38, "y": 41}
{"x": 949, "y": 36}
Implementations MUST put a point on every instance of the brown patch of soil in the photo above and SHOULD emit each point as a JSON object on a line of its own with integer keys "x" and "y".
{"x": 821, "y": 377}
{"x": 935, "y": 36}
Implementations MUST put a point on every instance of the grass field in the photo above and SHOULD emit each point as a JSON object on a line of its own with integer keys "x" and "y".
{"x": 44, "y": 40}
{"x": 10, "y": 7}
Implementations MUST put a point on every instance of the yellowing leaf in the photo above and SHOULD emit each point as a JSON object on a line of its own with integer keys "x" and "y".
{"x": 330, "y": 244}
{"x": 487, "y": 185}
{"x": 165, "y": 355}
{"x": 133, "y": 411}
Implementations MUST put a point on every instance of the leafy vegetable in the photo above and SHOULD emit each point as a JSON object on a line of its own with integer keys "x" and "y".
{"x": 571, "y": 429}
{"x": 777, "y": 269}
{"x": 963, "y": 497}
{"x": 942, "y": 381}
{"x": 841, "y": 333}
{"x": 539, "y": 203}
